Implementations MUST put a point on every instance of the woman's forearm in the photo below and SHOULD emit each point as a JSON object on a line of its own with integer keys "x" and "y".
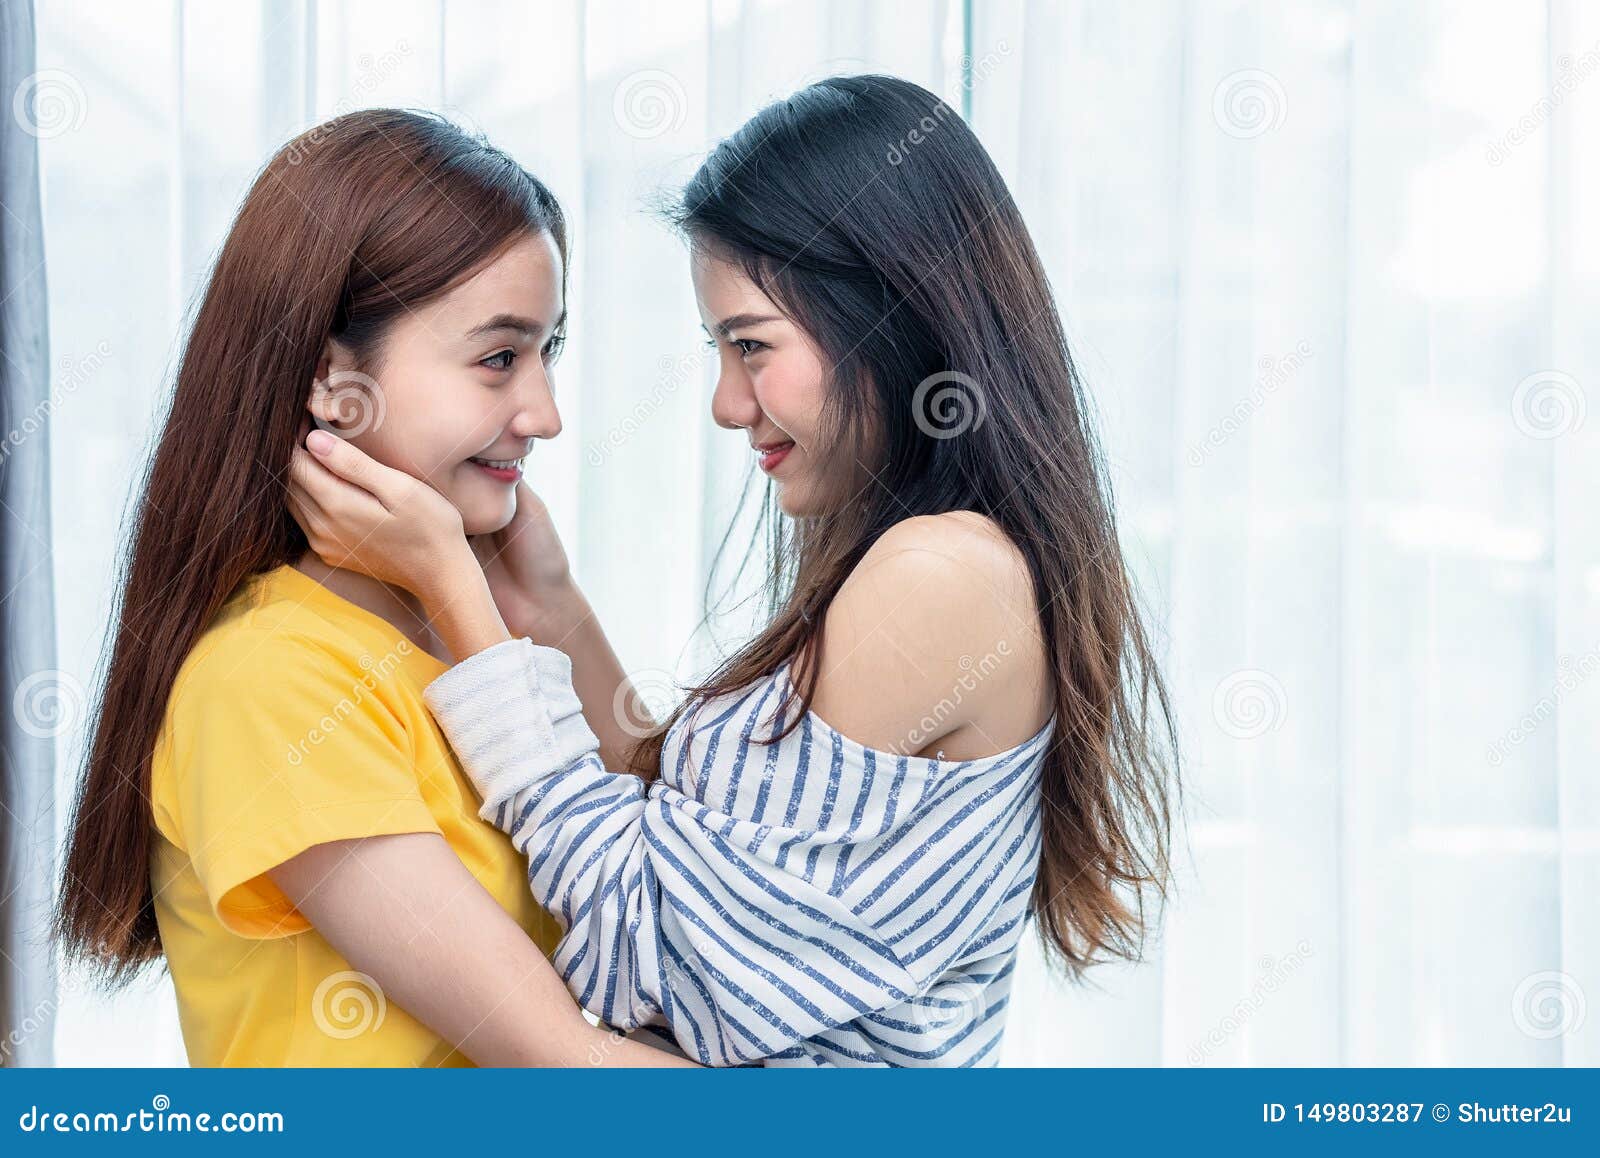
{"x": 405, "y": 911}
{"x": 568, "y": 623}
{"x": 460, "y": 608}
{"x": 462, "y": 611}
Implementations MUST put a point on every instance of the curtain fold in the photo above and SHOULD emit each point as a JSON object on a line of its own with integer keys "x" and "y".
{"x": 1330, "y": 270}
{"x": 38, "y": 699}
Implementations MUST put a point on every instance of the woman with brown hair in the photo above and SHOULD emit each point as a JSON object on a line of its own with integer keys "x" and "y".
{"x": 267, "y": 801}
{"x": 952, "y": 725}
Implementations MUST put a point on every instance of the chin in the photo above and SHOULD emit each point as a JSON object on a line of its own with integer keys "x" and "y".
{"x": 792, "y": 501}
{"x": 485, "y": 519}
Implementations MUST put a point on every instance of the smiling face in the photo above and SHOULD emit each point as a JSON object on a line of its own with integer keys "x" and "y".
{"x": 461, "y": 386}
{"x": 771, "y": 381}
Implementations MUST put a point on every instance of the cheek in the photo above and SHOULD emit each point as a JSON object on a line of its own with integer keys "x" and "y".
{"x": 790, "y": 390}
{"x": 413, "y": 447}
{"x": 422, "y": 434}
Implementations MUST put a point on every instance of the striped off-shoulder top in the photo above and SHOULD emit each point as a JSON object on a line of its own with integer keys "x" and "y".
{"x": 804, "y": 902}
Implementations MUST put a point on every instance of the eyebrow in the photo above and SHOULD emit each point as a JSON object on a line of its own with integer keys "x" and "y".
{"x": 727, "y": 325}
{"x": 527, "y": 327}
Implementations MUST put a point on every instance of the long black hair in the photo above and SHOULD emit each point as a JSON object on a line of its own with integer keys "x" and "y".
{"x": 867, "y": 210}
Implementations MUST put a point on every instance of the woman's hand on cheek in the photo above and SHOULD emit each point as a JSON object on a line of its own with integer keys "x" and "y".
{"x": 527, "y": 569}
{"x": 363, "y": 516}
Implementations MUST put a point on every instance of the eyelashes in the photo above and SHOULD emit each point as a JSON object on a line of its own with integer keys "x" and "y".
{"x": 746, "y": 346}
{"x": 503, "y": 360}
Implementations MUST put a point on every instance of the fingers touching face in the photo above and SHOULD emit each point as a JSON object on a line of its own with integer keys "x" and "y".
{"x": 463, "y": 387}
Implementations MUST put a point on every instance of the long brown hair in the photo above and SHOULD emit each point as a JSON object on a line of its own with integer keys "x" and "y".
{"x": 348, "y": 226}
{"x": 869, "y": 212}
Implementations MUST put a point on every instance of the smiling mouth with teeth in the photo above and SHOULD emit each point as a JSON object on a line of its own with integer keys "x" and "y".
{"x": 501, "y": 469}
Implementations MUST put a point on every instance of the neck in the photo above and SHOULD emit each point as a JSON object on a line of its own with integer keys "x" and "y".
{"x": 394, "y": 605}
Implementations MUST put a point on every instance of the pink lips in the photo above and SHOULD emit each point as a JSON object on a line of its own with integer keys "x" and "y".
{"x": 503, "y": 474}
{"x": 771, "y": 457}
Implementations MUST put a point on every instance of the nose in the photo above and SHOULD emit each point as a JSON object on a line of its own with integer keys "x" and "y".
{"x": 733, "y": 402}
{"x": 535, "y": 415}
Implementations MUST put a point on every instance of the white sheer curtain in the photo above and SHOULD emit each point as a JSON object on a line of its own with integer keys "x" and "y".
{"x": 1326, "y": 270}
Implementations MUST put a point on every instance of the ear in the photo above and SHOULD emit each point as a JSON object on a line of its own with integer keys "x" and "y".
{"x": 332, "y": 385}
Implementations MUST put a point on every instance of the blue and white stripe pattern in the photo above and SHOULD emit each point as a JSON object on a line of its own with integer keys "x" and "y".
{"x": 807, "y": 902}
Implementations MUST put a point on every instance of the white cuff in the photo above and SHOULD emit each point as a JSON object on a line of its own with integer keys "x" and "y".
{"x": 512, "y": 716}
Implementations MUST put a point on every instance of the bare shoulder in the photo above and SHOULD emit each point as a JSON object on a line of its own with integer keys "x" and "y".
{"x": 962, "y": 546}
{"x": 938, "y": 621}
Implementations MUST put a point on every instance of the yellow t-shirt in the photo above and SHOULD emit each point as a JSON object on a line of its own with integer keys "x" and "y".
{"x": 298, "y": 719}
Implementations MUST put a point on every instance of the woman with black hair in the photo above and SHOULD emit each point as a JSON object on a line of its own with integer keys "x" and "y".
{"x": 953, "y": 721}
